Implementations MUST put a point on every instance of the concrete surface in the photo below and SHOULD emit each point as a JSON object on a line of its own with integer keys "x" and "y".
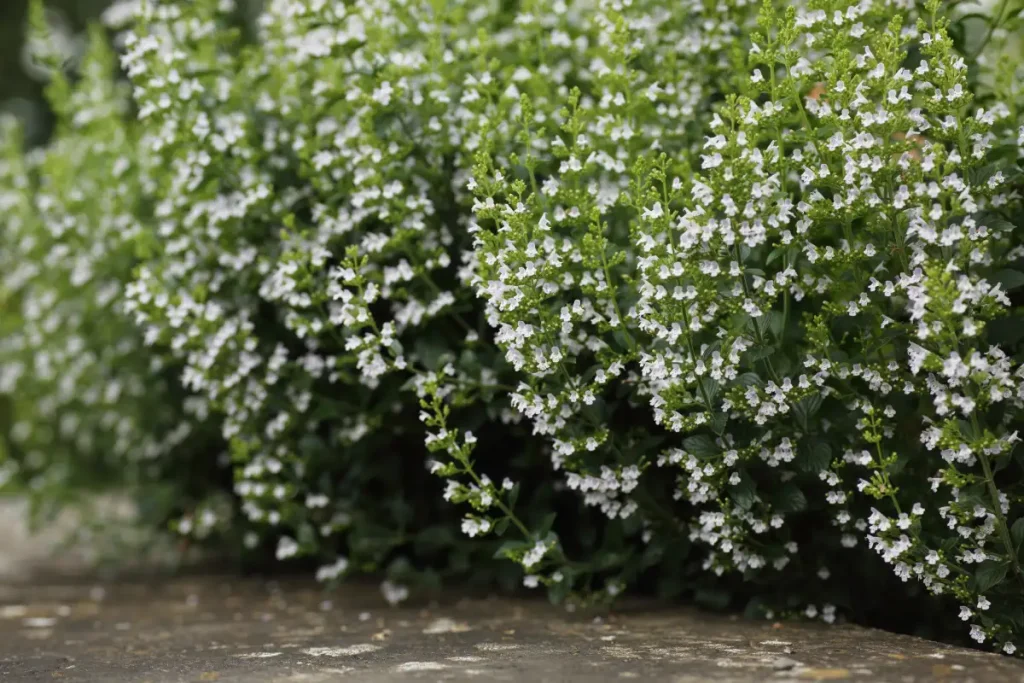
{"x": 217, "y": 628}
{"x": 63, "y": 545}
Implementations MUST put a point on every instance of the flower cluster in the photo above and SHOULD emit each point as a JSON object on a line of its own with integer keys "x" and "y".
{"x": 88, "y": 404}
{"x": 800, "y": 304}
{"x": 718, "y": 295}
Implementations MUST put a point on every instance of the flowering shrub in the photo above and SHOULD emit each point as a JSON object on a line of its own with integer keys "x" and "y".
{"x": 803, "y": 313}
{"x": 715, "y": 295}
{"x": 89, "y": 404}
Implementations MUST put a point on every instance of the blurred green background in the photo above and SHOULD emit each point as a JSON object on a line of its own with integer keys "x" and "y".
{"x": 19, "y": 92}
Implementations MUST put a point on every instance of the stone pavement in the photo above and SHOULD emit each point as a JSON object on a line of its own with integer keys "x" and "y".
{"x": 222, "y": 628}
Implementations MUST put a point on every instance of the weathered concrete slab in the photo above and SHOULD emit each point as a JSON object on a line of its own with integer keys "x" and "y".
{"x": 216, "y": 628}
{"x": 22, "y": 549}
{"x": 67, "y": 547}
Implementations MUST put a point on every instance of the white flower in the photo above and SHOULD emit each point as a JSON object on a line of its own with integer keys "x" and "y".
{"x": 472, "y": 526}
{"x": 393, "y": 593}
{"x": 286, "y": 547}
{"x": 332, "y": 571}
{"x": 535, "y": 555}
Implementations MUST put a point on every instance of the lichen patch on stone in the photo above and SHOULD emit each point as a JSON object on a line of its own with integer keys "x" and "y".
{"x": 620, "y": 652}
{"x": 348, "y": 651}
{"x": 496, "y": 647}
{"x": 420, "y": 666}
{"x": 446, "y": 625}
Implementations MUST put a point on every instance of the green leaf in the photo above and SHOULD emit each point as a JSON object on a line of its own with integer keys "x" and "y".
{"x": 813, "y": 455}
{"x": 749, "y": 379}
{"x": 546, "y": 524}
{"x": 806, "y": 408}
{"x": 513, "y": 496}
{"x": 744, "y": 494}
{"x": 700, "y": 445}
{"x": 502, "y": 526}
{"x": 1017, "y": 533}
{"x": 558, "y": 592}
{"x": 1006, "y": 331}
{"x": 429, "y": 351}
{"x": 775, "y": 321}
{"x": 759, "y": 352}
{"x": 507, "y": 548}
{"x": 718, "y": 421}
{"x": 790, "y": 498}
{"x": 711, "y": 388}
{"x": 652, "y": 556}
{"x": 1009, "y": 279}
{"x": 973, "y": 29}
{"x": 650, "y": 443}
{"x": 621, "y": 339}
{"x": 609, "y": 560}
{"x": 990, "y": 574}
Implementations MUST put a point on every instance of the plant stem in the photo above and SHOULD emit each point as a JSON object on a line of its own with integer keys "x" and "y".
{"x": 1004, "y": 532}
{"x": 997, "y": 19}
{"x": 506, "y": 510}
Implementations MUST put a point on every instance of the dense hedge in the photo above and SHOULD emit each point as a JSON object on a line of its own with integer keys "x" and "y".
{"x": 710, "y": 296}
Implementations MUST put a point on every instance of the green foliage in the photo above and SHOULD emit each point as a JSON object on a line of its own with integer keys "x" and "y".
{"x": 710, "y": 297}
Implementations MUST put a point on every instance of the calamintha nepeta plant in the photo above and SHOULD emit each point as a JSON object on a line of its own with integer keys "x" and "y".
{"x": 731, "y": 276}
{"x": 808, "y": 304}
{"x": 88, "y": 400}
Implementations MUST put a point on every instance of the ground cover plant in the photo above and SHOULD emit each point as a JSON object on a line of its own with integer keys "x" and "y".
{"x": 716, "y": 298}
